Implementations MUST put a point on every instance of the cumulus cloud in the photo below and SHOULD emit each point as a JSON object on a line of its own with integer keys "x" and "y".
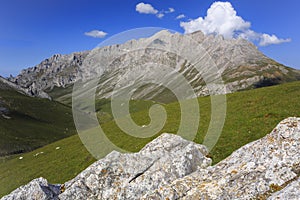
{"x": 267, "y": 39}
{"x": 145, "y": 8}
{"x": 222, "y": 19}
{"x": 96, "y": 34}
{"x": 180, "y": 16}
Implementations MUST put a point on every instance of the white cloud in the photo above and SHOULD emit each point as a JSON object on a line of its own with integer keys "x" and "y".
{"x": 145, "y": 8}
{"x": 180, "y": 16}
{"x": 160, "y": 15}
{"x": 171, "y": 10}
{"x": 267, "y": 39}
{"x": 96, "y": 34}
{"x": 222, "y": 19}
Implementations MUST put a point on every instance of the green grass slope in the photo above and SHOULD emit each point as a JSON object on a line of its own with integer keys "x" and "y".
{"x": 250, "y": 116}
{"x": 62, "y": 95}
{"x": 29, "y": 123}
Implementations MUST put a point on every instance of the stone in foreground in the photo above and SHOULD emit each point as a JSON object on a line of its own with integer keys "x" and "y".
{"x": 130, "y": 176}
{"x": 254, "y": 171}
{"x": 125, "y": 176}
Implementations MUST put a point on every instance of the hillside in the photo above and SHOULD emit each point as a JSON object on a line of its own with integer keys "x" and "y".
{"x": 27, "y": 123}
{"x": 170, "y": 167}
{"x": 250, "y": 116}
{"x": 161, "y": 57}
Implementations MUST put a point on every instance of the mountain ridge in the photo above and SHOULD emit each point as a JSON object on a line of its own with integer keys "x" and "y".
{"x": 240, "y": 63}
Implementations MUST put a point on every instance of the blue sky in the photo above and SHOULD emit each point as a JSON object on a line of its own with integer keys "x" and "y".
{"x": 32, "y": 30}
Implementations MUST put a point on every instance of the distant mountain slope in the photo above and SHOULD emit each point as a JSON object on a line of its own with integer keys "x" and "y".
{"x": 241, "y": 64}
{"x": 27, "y": 123}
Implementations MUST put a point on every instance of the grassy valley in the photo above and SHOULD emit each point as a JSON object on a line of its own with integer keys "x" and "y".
{"x": 250, "y": 115}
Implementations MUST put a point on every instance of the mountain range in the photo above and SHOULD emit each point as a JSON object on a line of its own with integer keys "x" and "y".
{"x": 238, "y": 62}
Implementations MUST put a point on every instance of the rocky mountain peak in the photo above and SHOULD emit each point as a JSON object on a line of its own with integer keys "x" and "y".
{"x": 241, "y": 64}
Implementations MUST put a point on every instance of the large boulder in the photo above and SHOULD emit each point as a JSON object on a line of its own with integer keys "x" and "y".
{"x": 256, "y": 170}
{"x": 130, "y": 176}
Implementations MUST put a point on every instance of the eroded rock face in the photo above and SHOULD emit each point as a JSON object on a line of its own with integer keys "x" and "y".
{"x": 125, "y": 176}
{"x": 170, "y": 167}
{"x": 130, "y": 176}
{"x": 38, "y": 189}
{"x": 7, "y": 85}
{"x": 255, "y": 170}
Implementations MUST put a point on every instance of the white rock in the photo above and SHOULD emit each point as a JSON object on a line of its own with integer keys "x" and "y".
{"x": 38, "y": 189}
{"x": 129, "y": 176}
{"x": 248, "y": 172}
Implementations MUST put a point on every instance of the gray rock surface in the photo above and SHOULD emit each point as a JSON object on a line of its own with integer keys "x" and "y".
{"x": 290, "y": 192}
{"x": 130, "y": 176}
{"x": 253, "y": 171}
{"x": 30, "y": 91}
{"x": 38, "y": 189}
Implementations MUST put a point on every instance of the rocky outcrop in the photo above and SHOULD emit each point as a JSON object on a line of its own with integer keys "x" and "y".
{"x": 30, "y": 91}
{"x": 130, "y": 176}
{"x": 241, "y": 64}
{"x": 37, "y": 189}
{"x": 172, "y": 168}
{"x": 253, "y": 171}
